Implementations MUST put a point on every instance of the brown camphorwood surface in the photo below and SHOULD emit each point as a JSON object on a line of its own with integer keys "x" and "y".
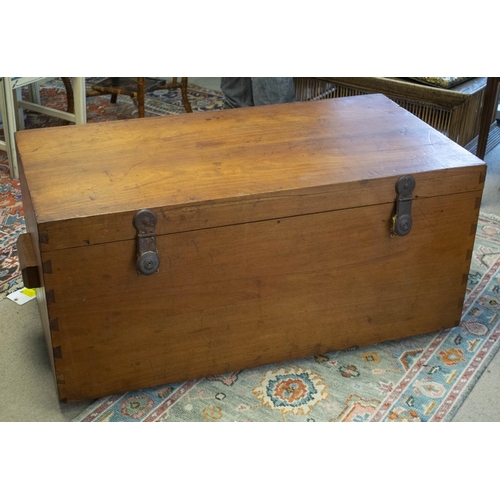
{"x": 273, "y": 237}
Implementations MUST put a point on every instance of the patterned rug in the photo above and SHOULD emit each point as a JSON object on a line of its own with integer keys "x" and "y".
{"x": 157, "y": 103}
{"x": 422, "y": 378}
{"x": 11, "y": 226}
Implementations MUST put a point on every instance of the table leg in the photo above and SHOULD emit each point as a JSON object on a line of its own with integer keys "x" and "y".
{"x": 141, "y": 91}
{"x": 489, "y": 103}
{"x": 185, "y": 99}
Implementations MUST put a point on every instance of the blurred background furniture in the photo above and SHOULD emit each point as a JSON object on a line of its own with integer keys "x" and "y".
{"x": 456, "y": 111}
{"x": 174, "y": 84}
{"x": 490, "y": 106}
{"x": 136, "y": 88}
{"x": 12, "y": 105}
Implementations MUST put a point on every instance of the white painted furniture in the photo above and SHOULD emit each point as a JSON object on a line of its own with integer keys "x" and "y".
{"x": 12, "y": 105}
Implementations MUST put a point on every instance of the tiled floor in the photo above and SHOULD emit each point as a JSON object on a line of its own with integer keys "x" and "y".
{"x": 26, "y": 383}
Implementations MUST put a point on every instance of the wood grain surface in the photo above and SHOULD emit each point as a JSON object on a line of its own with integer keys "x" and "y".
{"x": 27, "y": 261}
{"x": 273, "y": 238}
{"x": 249, "y": 294}
{"x": 240, "y": 155}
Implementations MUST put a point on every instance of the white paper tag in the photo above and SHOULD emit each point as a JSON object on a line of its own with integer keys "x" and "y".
{"x": 22, "y": 296}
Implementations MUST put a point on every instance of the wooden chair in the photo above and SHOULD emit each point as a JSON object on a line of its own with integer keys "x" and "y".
{"x": 183, "y": 84}
{"x": 136, "y": 88}
{"x": 12, "y": 105}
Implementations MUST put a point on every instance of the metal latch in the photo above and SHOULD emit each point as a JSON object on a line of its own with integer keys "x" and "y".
{"x": 148, "y": 260}
{"x": 401, "y": 220}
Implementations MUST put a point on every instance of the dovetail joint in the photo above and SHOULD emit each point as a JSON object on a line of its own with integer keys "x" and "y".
{"x": 50, "y": 295}
{"x": 43, "y": 237}
{"x": 47, "y": 267}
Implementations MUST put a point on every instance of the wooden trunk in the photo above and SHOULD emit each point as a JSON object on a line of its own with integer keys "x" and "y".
{"x": 273, "y": 235}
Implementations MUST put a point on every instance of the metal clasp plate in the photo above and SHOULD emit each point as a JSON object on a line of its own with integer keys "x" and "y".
{"x": 148, "y": 260}
{"x": 401, "y": 220}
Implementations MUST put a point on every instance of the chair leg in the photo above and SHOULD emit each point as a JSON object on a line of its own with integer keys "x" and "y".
{"x": 185, "y": 99}
{"x": 69, "y": 94}
{"x": 141, "y": 91}
{"x": 490, "y": 103}
{"x": 70, "y": 98}
{"x": 9, "y": 124}
{"x": 34, "y": 93}
{"x": 77, "y": 101}
{"x": 80, "y": 100}
{"x": 19, "y": 111}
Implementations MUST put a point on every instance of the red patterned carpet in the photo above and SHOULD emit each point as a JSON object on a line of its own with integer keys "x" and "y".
{"x": 11, "y": 225}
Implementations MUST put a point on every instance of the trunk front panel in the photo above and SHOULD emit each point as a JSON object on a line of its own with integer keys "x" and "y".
{"x": 243, "y": 295}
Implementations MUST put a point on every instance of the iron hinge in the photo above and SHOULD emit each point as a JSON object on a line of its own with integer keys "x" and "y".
{"x": 401, "y": 220}
{"x": 148, "y": 261}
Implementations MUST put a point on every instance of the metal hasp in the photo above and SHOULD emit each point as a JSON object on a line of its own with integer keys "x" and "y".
{"x": 401, "y": 220}
{"x": 148, "y": 261}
